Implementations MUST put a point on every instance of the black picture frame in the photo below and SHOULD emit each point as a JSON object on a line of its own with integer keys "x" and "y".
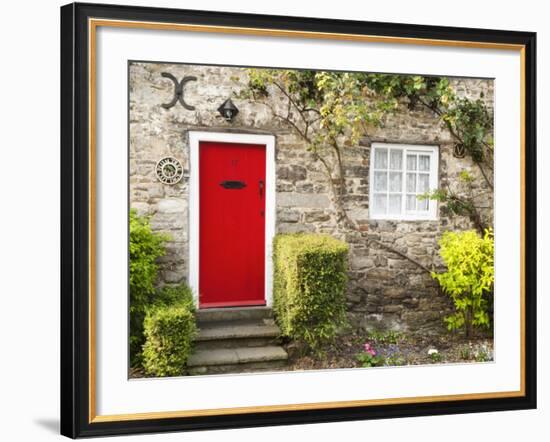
{"x": 75, "y": 220}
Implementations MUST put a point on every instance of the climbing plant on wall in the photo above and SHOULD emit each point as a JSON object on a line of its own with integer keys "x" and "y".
{"x": 470, "y": 123}
{"x": 333, "y": 110}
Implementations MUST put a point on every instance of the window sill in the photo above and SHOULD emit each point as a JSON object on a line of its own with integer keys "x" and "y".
{"x": 403, "y": 218}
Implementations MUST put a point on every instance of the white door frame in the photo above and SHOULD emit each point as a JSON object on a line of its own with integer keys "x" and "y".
{"x": 195, "y": 138}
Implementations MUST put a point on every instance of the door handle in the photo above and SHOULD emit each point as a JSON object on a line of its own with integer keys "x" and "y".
{"x": 261, "y": 183}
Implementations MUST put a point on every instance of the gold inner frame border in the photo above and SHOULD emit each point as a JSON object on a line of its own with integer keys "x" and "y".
{"x": 93, "y": 24}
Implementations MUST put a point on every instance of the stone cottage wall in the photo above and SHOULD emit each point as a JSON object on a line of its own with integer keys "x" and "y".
{"x": 385, "y": 290}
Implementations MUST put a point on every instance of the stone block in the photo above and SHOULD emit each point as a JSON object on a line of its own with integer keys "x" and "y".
{"x": 141, "y": 208}
{"x": 361, "y": 262}
{"x": 379, "y": 273}
{"x": 392, "y": 308}
{"x": 303, "y": 200}
{"x": 168, "y": 221}
{"x": 418, "y": 320}
{"x": 359, "y": 214}
{"x": 401, "y": 264}
{"x": 306, "y": 187}
{"x": 410, "y": 302}
{"x": 395, "y": 293}
{"x": 156, "y": 190}
{"x": 288, "y": 216}
{"x": 292, "y": 173}
{"x": 284, "y": 187}
{"x": 174, "y": 276}
{"x": 172, "y": 205}
{"x": 294, "y": 228}
{"x": 317, "y": 216}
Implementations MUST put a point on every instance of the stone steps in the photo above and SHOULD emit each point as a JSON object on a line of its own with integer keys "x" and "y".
{"x": 237, "y": 360}
{"x": 236, "y": 340}
{"x": 232, "y": 334}
{"x": 230, "y": 314}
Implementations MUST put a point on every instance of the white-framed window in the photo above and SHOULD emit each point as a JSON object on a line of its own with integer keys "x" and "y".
{"x": 398, "y": 174}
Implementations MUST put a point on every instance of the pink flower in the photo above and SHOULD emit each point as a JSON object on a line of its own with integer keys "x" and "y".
{"x": 369, "y": 349}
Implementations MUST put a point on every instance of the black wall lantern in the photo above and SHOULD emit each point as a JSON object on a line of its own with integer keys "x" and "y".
{"x": 228, "y": 110}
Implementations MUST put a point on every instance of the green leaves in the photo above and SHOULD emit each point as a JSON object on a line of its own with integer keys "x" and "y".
{"x": 348, "y": 103}
{"x": 334, "y": 110}
{"x": 169, "y": 333}
{"x": 469, "y": 278}
{"x": 174, "y": 295}
{"x": 368, "y": 360}
{"x": 471, "y": 121}
{"x": 146, "y": 247}
{"x": 310, "y": 287}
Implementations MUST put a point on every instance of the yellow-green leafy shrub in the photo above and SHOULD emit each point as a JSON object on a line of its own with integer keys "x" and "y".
{"x": 310, "y": 286}
{"x": 169, "y": 333}
{"x": 174, "y": 295}
{"x": 469, "y": 277}
{"x": 146, "y": 246}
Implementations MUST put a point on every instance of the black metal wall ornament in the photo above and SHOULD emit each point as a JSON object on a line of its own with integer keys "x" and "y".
{"x": 178, "y": 91}
{"x": 459, "y": 151}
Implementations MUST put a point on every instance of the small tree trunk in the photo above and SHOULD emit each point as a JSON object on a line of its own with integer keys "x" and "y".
{"x": 469, "y": 321}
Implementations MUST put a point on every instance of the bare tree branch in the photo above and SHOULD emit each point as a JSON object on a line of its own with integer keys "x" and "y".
{"x": 397, "y": 252}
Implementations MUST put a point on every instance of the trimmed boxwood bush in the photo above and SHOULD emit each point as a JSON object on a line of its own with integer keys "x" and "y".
{"x": 310, "y": 287}
{"x": 169, "y": 333}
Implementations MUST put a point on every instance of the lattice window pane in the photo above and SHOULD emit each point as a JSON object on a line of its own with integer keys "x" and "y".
{"x": 381, "y": 158}
{"x": 380, "y": 181}
{"x": 411, "y": 182}
{"x": 395, "y": 204}
{"x": 423, "y": 182}
{"x": 422, "y": 204}
{"x": 411, "y": 162}
{"x": 411, "y": 202}
{"x": 396, "y": 181}
{"x": 424, "y": 163}
{"x": 379, "y": 203}
{"x": 396, "y": 159}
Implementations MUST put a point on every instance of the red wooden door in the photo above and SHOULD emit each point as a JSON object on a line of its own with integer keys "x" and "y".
{"x": 231, "y": 224}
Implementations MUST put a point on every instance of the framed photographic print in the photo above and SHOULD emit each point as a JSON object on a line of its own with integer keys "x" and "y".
{"x": 279, "y": 220}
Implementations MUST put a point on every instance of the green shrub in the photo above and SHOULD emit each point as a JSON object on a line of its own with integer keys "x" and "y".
{"x": 169, "y": 333}
{"x": 146, "y": 247}
{"x": 310, "y": 287}
{"x": 469, "y": 277}
{"x": 174, "y": 295}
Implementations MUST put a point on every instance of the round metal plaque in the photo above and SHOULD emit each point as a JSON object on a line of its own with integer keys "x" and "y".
{"x": 169, "y": 170}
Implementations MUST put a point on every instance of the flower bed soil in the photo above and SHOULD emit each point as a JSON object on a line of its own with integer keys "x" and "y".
{"x": 395, "y": 350}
